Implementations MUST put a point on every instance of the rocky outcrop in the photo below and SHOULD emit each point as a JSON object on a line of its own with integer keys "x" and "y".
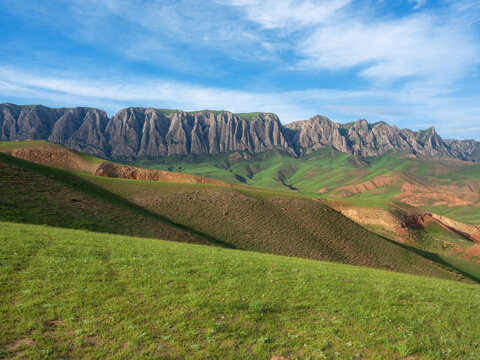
{"x": 23, "y": 122}
{"x": 82, "y": 129}
{"x": 364, "y": 139}
{"x": 138, "y": 132}
{"x": 464, "y": 149}
{"x": 470, "y": 231}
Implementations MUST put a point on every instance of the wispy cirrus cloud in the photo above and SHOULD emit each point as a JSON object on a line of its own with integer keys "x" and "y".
{"x": 153, "y": 29}
{"x": 288, "y": 14}
{"x": 418, "y": 46}
{"x": 440, "y": 45}
{"x": 422, "y": 109}
{"x": 418, "y": 3}
{"x": 330, "y": 35}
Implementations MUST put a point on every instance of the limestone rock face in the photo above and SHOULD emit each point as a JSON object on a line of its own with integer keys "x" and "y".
{"x": 364, "y": 139}
{"x": 464, "y": 149}
{"x": 22, "y": 123}
{"x": 82, "y": 129}
{"x": 137, "y": 132}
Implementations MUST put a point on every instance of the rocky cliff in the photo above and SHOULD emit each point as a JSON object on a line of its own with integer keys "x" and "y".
{"x": 137, "y": 132}
{"x": 464, "y": 149}
{"x": 364, "y": 139}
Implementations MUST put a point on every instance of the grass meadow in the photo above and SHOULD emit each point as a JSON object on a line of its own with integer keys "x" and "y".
{"x": 78, "y": 294}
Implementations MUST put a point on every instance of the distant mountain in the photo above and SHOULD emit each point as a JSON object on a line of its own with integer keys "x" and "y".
{"x": 364, "y": 139}
{"x": 464, "y": 149}
{"x": 137, "y": 132}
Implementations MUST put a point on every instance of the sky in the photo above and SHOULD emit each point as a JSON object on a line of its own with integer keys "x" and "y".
{"x": 410, "y": 63}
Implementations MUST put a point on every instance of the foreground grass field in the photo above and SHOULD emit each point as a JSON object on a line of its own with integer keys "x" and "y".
{"x": 77, "y": 294}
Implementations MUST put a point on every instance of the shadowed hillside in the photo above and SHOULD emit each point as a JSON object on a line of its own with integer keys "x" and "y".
{"x": 268, "y": 222}
{"x": 31, "y": 193}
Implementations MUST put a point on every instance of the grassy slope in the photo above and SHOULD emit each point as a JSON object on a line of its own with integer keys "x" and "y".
{"x": 324, "y": 170}
{"x": 250, "y": 117}
{"x": 269, "y": 222}
{"x": 262, "y": 221}
{"x": 12, "y": 145}
{"x": 466, "y": 266}
{"x": 434, "y": 237}
{"x": 328, "y": 169}
{"x": 77, "y": 294}
{"x": 32, "y": 193}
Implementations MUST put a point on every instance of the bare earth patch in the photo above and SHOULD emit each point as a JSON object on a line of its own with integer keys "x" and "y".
{"x": 417, "y": 195}
{"x": 56, "y": 157}
{"x": 473, "y": 252}
{"x": 20, "y": 343}
{"x": 375, "y": 183}
{"x": 133, "y": 173}
{"x": 67, "y": 159}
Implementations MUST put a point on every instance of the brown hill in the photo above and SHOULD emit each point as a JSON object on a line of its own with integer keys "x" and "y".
{"x": 114, "y": 170}
{"x": 42, "y": 152}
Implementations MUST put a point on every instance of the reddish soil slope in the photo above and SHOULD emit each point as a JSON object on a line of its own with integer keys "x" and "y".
{"x": 63, "y": 158}
{"x": 133, "y": 173}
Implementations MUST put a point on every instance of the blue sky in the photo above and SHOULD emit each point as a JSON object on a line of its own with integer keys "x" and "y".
{"x": 411, "y": 63}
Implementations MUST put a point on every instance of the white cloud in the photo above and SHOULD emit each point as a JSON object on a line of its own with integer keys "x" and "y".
{"x": 439, "y": 46}
{"x": 288, "y": 14}
{"x": 418, "y": 3}
{"x": 415, "y": 46}
{"x": 414, "y": 107}
{"x": 338, "y": 35}
{"x": 159, "y": 22}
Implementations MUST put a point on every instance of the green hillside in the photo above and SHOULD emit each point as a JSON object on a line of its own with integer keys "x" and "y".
{"x": 443, "y": 186}
{"x": 330, "y": 174}
{"x": 271, "y": 222}
{"x": 78, "y": 294}
{"x": 256, "y": 220}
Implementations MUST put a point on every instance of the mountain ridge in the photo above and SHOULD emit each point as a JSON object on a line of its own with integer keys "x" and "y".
{"x": 137, "y": 132}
